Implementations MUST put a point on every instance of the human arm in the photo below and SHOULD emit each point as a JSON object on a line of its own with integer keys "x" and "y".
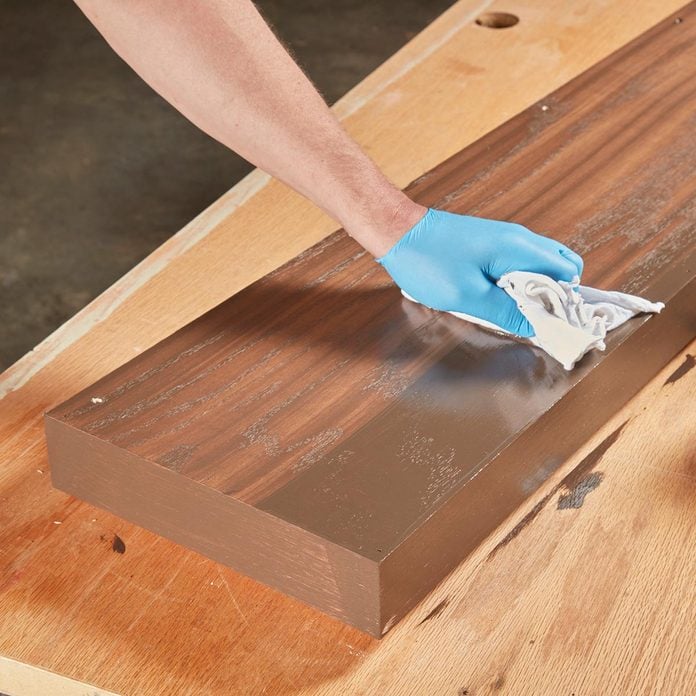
{"x": 220, "y": 64}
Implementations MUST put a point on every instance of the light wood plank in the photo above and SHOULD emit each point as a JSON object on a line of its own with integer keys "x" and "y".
{"x": 19, "y": 679}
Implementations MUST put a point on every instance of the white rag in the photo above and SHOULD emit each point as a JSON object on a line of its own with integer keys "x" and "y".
{"x": 568, "y": 319}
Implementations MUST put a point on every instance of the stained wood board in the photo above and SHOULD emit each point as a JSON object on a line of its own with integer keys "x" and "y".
{"x": 75, "y": 606}
{"x": 326, "y": 437}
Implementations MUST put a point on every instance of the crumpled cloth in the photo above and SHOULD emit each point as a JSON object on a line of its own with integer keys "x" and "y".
{"x": 568, "y": 319}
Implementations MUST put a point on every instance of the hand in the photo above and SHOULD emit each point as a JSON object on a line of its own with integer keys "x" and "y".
{"x": 452, "y": 262}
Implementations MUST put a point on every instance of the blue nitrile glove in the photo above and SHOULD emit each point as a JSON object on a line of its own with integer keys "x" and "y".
{"x": 451, "y": 262}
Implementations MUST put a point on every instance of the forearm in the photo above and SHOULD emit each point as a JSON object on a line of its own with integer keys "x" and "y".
{"x": 219, "y": 63}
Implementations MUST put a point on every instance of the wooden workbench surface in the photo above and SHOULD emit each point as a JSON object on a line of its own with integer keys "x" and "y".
{"x": 590, "y": 593}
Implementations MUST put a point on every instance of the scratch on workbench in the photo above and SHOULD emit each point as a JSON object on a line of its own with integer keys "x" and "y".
{"x": 85, "y": 596}
{"x": 154, "y": 596}
{"x": 232, "y": 597}
{"x": 355, "y": 651}
{"x": 18, "y": 436}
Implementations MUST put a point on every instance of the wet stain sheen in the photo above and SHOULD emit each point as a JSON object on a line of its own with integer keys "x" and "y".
{"x": 434, "y": 612}
{"x": 688, "y": 364}
{"x": 118, "y": 545}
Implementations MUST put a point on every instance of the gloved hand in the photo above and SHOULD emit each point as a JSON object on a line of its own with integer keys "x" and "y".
{"x": 451, "y": 262}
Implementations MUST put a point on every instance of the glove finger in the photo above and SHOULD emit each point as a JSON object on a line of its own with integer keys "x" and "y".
{"x": 566, "y": 252}
{"x": 574, "y": 258}
{"x": 553, "y": 264}
{"x": 535, "y": 254}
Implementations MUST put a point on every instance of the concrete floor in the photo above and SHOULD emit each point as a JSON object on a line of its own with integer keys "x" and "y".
{"x": 96, "y": 170}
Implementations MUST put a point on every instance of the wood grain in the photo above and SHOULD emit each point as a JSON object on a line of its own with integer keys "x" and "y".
{"x": 160, "y": 619}
{"x": 320, "y": 435}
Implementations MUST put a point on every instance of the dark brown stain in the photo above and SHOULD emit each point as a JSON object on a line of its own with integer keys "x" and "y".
{"x": 463, "y": 691}
{"x": 118, "y": 544}
{"x": 581, "y": 481}
{"x": 499, "y": 683}
{"x": 577, "y": 495}
{"x": 688, "y": 364}
{"x": 524, "y": 522}
{"x": 434, "y": 612}
{"x": 362, "y": 441}
{"x": 579, "y": 473}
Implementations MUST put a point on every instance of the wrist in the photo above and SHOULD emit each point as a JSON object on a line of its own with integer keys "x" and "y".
{"x": 381, "y": 224}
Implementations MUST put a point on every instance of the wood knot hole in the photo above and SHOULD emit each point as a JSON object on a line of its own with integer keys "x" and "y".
{"x": 497, "y": 20}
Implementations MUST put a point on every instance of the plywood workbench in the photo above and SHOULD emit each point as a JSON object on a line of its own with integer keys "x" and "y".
{"x": 587, "y": 590}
